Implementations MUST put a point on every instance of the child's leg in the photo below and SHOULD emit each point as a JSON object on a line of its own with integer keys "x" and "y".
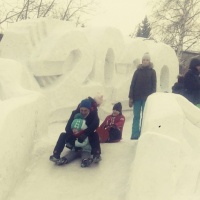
{"x": 136, "y": 119}
{"x": 86, "y": 158}
{"x": 142, "y": 106}
{"x": 70, "y": 141}
{"x": 59, "y": 145}
{"x": 95, "y": 144}
{"x": 85, "y": 155}
{"x": 70, "y": 156}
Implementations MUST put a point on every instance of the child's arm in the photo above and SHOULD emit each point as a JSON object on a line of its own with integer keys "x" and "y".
{"x": 120, "y": 122}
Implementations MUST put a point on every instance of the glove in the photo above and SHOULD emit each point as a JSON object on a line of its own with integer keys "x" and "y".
{"x": 130, "y": 103}
{"x": 81, "y": 138}
{"x": 106, "y": 127}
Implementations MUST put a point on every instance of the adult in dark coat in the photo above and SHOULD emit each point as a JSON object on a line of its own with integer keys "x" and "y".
{"x": 192, "y": 82}
{"x": 142, "y": 85}
{"x": 92, "y": 122}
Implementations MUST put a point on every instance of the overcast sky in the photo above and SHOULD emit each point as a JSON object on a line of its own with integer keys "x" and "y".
{"x": 123, "y": 14}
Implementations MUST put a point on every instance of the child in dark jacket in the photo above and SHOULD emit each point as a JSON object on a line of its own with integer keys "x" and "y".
{"x": 112, "y": 125}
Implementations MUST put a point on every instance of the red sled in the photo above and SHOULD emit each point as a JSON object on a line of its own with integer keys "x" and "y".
{"x": 103, "y": 134}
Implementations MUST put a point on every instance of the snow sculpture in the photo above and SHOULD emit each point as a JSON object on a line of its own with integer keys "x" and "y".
{"x": 63, "y": 58}
{"x": 23, "y": 120}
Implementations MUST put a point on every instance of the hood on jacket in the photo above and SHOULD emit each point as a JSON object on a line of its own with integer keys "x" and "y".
{"x": 194, "y": 63}
{"x": 140, "y": 66}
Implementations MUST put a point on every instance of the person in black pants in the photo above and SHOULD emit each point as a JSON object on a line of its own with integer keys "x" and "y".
{"x": 67, "y": 138}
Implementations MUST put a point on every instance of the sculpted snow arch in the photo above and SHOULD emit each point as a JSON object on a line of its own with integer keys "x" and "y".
{"x": 71, "y": 61}
{"x": 107, "y": 44}
{"x": 67, "y": 54}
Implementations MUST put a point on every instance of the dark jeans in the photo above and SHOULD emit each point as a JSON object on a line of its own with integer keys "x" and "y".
{"x": 95, "y": 143}
{"x": 60, "y": 144}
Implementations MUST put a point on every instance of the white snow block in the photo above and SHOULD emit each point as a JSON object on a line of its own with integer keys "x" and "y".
{"x": 23, "y": 121}
{"x": 154, "y": 168}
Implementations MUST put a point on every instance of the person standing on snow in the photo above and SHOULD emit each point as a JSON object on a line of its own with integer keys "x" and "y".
{"x": 192, "y": 82}
{"x": 142, "y": 85}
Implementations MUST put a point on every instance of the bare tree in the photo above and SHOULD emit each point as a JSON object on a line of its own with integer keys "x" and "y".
{"x": 175, "y": 22}
{"x": 68, "y": 10}
{"x": 73, "y": 10}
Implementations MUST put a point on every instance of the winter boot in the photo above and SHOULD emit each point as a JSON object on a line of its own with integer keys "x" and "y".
{"x": 54, "y": 158}
{"x": 96, "y": 158}
{"x": 62, "y": 161}
{"x": 86, "y": 162}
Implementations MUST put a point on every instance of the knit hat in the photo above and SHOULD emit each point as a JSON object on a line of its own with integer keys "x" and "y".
{"x": 79, "y": 124}
{"x": 85, "y": 103}
{"x": 99, "y": 99}
{"x": 146, "y": 56}
{"x": 118, "y": 107}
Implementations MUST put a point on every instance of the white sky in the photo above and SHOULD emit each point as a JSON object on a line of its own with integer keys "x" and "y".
{"x": 123, "y": 14}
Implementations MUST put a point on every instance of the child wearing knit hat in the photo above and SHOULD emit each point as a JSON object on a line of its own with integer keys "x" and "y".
{"x": 83, "y": 149}
{"x": 146, "y": 56}
{"x": 117, "y": 107}
{"x": 146, "y": 60}
{"x": 142, "y": 85}
{"x": 111, "y": 128}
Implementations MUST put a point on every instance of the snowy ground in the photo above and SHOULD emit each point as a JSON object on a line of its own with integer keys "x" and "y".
{"x": 43, "y": 180}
